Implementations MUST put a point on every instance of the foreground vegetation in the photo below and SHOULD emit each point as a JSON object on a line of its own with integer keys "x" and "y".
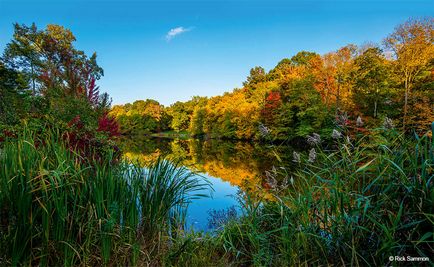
{"x": 355, "y": 202}
{"x": 58, "y": 208}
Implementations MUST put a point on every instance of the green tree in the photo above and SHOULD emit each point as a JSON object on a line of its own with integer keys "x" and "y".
{"x": 180, "y": 114}
{"x": 14, "y": 98}
{"x": 303, "y": 58}
{"x": 257, "y": 75}
{"x": 25, "y": 52}
{"x": 197, "y": 121}
{"x": 303, "y": 111}
{"x": 372, "y": 81}
{"x": 55, "y": 69}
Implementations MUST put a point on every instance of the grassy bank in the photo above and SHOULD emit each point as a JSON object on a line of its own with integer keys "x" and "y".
{"x": 356, "y": 202}
{"x": 58, "y": 208}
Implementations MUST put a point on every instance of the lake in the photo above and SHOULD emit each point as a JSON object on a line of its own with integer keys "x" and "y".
{"x": 232, "y": 167}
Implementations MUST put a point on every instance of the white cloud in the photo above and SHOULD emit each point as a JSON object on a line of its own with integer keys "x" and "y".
{"x": 176, "y": 31}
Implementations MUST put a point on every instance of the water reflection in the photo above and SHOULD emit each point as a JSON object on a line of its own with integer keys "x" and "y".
{"x": 230, "y": 166}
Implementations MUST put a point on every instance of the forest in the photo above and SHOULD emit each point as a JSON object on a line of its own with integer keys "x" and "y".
{"x": 357, "y": 190}
{"x": 304, "y": 94}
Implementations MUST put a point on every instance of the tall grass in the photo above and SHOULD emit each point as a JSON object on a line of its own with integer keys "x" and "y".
{"x": 357, "y": 204}
{"x": 164, "y": 199}
{"x": 58, "y": 209}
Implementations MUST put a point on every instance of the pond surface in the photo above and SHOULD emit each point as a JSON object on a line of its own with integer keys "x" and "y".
{"x": 231, "y": 167}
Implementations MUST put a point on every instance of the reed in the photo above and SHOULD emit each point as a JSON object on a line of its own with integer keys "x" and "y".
{"x": 355, "y": 204}
{"x": 58, "y": 209}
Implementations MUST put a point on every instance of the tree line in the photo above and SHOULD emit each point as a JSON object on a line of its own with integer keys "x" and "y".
{"x": 305, "y": 93}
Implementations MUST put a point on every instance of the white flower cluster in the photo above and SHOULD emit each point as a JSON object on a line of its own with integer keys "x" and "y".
{"x": 314, "y": 139}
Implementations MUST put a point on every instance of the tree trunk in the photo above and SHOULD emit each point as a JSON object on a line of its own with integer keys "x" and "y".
{"x": 33, "y": 80}
{"x": 405, "y": 103}
{"x": 375, "y": 109}
{"x": 327, "y": 89}
{"x": 338, "y": 98}
{"x": 376, "y": 101}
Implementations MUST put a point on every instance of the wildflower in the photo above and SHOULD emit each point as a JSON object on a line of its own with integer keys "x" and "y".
{"x": 388, "y": 123}
{"x": 342, "y": 119}
{"x": 312, "y": 155}
{"x": 347, "y": 138}
{"x": 285, "y": 183}
{"x": 315, "y": 139}
{"x": 263, "y": 130}
{"x": 271, "y": 179}
{"x": 359, "y": 122}
{"x": 296, "y": 157}
{"x": 336, "y": 134}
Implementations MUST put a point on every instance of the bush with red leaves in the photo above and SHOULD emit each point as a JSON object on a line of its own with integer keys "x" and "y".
{"x": 108, "y": 125}
{"x": 6, "y": 134}
{"x": 272, "y": 103}
{"x": 87, "y": 144}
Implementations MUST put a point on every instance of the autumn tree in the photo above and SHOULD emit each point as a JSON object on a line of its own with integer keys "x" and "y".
{"x": 303, "y": 111}
{"x": 412, "y": 45}
{"x": 324, "y": 72}
{"x": 343, "y": 63}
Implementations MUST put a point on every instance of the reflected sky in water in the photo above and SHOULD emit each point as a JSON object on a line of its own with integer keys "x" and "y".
{"x": 229, "y": 166}
{"x": 222, "y": 198}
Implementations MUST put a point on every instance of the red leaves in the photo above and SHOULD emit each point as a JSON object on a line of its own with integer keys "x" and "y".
{"x": 272, "y": 103}
{"x": 80, "y": 90}
{"x": 109, "y": 125}
{"x": 273, "y": 100}
{"x": 342, "y": 120}
{"x": 86, "y": 143}
{"x": 9, "y": 133}
{"x": 76, "y": 122}
{"x": 92, "y": 92}
{"x": 6, "y": 134}
{"x": 45, "y": 78}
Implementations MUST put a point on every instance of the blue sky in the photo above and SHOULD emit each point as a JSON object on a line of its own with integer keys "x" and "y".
{"x": 212, "y": 44}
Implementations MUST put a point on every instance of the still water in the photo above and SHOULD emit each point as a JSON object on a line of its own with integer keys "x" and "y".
{"x": 230, "y": 167}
